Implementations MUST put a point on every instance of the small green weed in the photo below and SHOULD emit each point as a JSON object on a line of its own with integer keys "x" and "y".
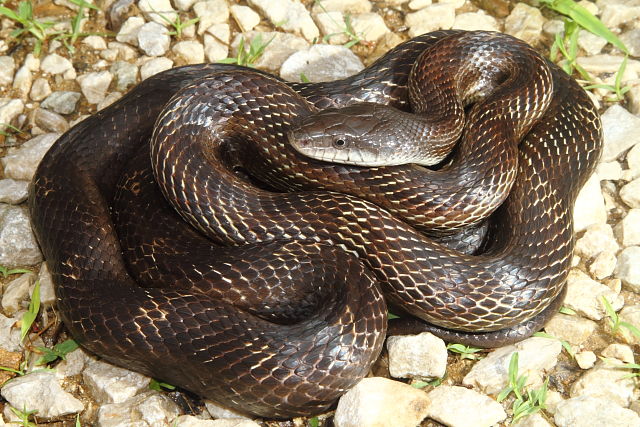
{"x": 24, "y": 416}
{"x": 29, "y": 25}
{"x": 178, "y": 24}
{"x": 567, "y": 310}
{"x": 30, "y": 316}
{"x": 465, "y": 352}
{"x": 617, "y": 87}
{"x": 160, "y": 386}
{"x": 7, "y": 272}
{"x": 313, "y": 422}
{"x": 433, "y": 383}
{"x": 248, "y": 57}
{"x": 576, "y": 19}
{"x": 69, "y": 39}
{"x": 525, "y": 403}
{"x": 59, "y": 351}
{"x": 614, "y": 320}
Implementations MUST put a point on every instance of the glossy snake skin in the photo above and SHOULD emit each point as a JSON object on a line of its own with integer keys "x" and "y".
{"x": 271, "y": 302}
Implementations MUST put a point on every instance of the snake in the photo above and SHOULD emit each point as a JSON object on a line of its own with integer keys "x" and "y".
{"x": 190, "y": 241}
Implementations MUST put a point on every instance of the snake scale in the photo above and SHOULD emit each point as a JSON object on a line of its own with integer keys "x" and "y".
{"x": 271, "y": 301}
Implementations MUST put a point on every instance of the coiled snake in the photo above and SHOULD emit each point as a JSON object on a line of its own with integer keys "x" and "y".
{"x": 270, "y": 301}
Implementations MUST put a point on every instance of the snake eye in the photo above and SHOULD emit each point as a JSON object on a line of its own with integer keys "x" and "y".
{"x": 339, "y": 143}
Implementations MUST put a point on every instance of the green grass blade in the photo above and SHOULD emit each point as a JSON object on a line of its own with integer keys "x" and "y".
{"x": 585, "y": 19}
{"x": 30, "y": 316}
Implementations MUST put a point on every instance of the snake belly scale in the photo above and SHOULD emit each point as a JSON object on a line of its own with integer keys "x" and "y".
{"x": 271, "y": 302}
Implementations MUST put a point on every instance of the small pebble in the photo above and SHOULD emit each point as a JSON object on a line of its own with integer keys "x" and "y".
{"x": 586, "y": 359}
{"x": 63, "y": 102}
{"x": 154, "y": 66}
{"x": 191, "y": 52}
{"x": 153, "y": 39}
{"x": 94, "y": 85}
{"x": 12, "y": 191}
{"x": 628, "y": 268}
{"x": 421, "y": 356}
{"x": 380, "y": 401}
{"x": 471, "y": 407}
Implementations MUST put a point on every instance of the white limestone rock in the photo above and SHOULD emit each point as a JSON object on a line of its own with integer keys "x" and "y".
{"x": 16, "y": 292}
{"x": 472, "y": 21}
{"x": 73, "y": 363}
{"x": 289, "y": 15}
{"x": 630, "y": 193}
{"x": 586, "y": 359}
{"x": 344, "y": 6}
{"x": 615, "y": 13}
{"x": 94, "y": 85}
{"x": 22, "y": 82}
{"x": 7, "y": 68}
{"x": 155, "y": 10}
{"x": 62, "y": 102}
{"x": 129, "y": 30}
{"x": 218, "y": 411}
{"x": 191, "y": 421}
{"x": 584, "y": 295}
{"x": 95, "y": 42}
{"x": 587, "y": 411}
{"x": 591, "y": 43}
{"x": 417, "y": 356}
{"x": 628, "y": 230}
{"x": 524, "y": 22}
{"x": 628, "y": 268}
{"x": 321, "y": 63}
{"x": 607, "y": 382}
{"x": 10, "y": 109}
{"x": 573, "y": 329}
{"x": 369, "y": 26}
{"x": 589, "y": 208}
{"x": 439, "y": 16}
{"x": 631, "y": 315}
{"x": 611, "y": 171}
{"x": 146, "y": 409}
{"x": 621, "y": 130}
{"x": 536, "y": 356}
{"x": 112, "y": 384}
{"x": 210, "y": 13}
{"x": 246, "y": 17}
{"x": 332, "y": 26}
{"x": 40, "y": 391}
{"x": 13, "y": 192}
{"x": 18, "y": 246}
{"x": 153, "y": 39}
{"x": 155, "y": 66}
{"x": 40, "y": 89}
{"x": 383, "y": 402}
{"x": 21, "y": 163}
{"x": 603, "y": 265}
{"x": 534, "y": 420}
{"x": 190, "y": 51}
{"x": 279, "y": 47}
{"x": 622, "y": 352}
{"x": 55, "y": 64}
{"x": 597, "y": 238}
{"x": 470, "y": 408}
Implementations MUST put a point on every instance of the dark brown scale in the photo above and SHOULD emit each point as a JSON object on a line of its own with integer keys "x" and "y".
{"x": 195, "y": 328}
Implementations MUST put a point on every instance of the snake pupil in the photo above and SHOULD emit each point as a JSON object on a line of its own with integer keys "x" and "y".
{"x": 339, "y": 142}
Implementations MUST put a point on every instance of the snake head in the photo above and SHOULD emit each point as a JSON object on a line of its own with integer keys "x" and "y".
{"x": 350, "y": 135}
{"x": 363, "y": 134}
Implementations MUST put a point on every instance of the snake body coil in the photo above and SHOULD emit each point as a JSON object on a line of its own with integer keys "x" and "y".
{"x": 215, "y": 280}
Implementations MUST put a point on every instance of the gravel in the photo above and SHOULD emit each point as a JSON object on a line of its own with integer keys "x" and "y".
{"x": 46, "y": 95}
